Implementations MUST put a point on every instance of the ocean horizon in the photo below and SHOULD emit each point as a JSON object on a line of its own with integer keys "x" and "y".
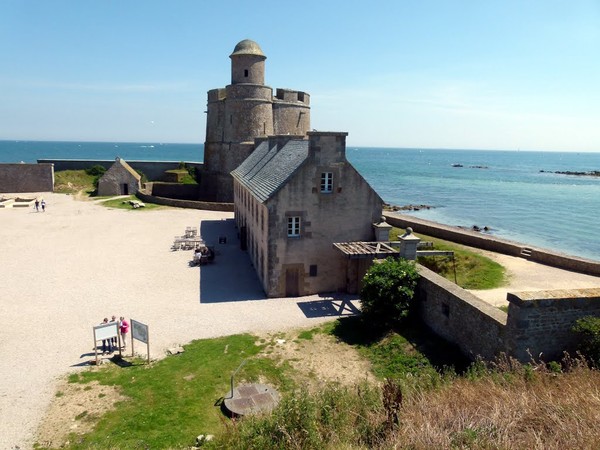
{"x": 518, "y": 195}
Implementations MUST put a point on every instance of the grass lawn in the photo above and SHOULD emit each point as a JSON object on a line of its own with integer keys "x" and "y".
{"x": 174, "y": 400}
{"x": 473, "y": 270}
{"x": 123, "y": 203}
{"x": 73, "y": 181}
{"x": 177, "y": 398}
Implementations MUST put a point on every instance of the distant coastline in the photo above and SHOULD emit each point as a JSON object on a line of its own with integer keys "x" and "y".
{"x": 591, "y": 173}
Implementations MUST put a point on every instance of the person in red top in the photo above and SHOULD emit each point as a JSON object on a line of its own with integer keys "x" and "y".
{"x": 124, "y": 329}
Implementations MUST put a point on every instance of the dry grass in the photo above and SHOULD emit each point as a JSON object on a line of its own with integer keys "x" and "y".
{"x": 522, "y": 407}
{"x": 507, "y": 406}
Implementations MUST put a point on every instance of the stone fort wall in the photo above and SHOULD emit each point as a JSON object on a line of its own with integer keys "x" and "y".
{"x": 191, "y": 204}
{"x": 17, "y": 178}
{"x": 154, "y": 170}
{"x": 538, "y": 324}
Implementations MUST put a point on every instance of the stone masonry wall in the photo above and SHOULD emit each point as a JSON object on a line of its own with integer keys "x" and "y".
{"x": 460, "y": 317}
{"x": 539, "y": 323}
{"x": 154, "y": 170}
{"x": 208, "y": 206}
{"x": 17, "y": 178}
{"x": 176, "y": 190}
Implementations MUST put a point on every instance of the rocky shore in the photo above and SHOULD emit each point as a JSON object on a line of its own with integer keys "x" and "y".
{"x": 388, "y": 207}
{"x": 591, "y": 173}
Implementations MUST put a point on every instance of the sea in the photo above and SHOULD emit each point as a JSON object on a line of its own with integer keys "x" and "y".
{"x": 516, "y": 194}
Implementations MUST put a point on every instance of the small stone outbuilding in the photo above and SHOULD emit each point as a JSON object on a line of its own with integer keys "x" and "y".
{"x": 119, "y": 179}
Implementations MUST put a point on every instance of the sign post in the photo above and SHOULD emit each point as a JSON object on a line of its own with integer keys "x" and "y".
{"x": 140, "y": 332}
{"x": 105, "y": 331}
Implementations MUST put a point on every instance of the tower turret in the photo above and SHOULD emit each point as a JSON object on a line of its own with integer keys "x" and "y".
{"x": 247, "y": 63}
{"x": 241, "y": 112}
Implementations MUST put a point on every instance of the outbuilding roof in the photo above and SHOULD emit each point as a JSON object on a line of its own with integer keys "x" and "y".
{"x": 128, "y": 168}
{"x": 270, "y": 166}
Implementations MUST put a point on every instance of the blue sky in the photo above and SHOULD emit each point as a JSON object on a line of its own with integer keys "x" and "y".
{"x": 425, "y": 74}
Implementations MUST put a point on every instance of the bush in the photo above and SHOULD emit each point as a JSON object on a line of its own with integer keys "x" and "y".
{"x": 96, "y": 170}
{"x": 588, "y": 328}
{"x": 387, "y": 291}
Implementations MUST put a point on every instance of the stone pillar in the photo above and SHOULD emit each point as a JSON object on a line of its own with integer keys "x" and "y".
{"x": 382, "y": 231}
{"x": 408, "y": 245}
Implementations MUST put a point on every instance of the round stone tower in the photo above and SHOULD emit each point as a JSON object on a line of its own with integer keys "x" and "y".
{"x": 248, "y": 108}
{"x": 244, "y": 110}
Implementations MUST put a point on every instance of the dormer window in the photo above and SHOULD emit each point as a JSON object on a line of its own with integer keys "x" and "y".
{"x": 326, "y": 182}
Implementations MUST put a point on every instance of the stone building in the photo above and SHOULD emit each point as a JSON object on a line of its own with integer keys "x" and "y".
{"x": 119, "y": 179}
{"x": 242, "y": 111}
{"x": 294, "y": 196}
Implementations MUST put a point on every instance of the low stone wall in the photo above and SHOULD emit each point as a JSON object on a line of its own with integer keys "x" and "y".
{"x": 154, "y": 170}
{"x": 539, "y": 323}
{"x": 175, "y": 190}
{"x": 494, "y": 244}
{"x": 17, "y": 178}
{"x": 209, "y": 206}
{"x": 460, "y": 317}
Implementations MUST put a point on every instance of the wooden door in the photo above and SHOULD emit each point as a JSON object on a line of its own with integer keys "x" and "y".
{"x": 292, "y": 283}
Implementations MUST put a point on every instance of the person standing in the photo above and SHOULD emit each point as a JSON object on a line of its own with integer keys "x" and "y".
{"x": 124, "y": 328}
{"x": 105, "y": 342}
{"x": 113, "y": 340}
{"x": 37, "y": 205}
{"x": 43, "y": 205}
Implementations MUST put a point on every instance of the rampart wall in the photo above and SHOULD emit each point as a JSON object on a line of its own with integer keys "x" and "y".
{"x": 495, "y": 244}
{"x": 460, "y": 317}
{"x": 538, "y": 324}
{"x": 16, "y": 178}
{"x": 154, "y": 170}
{"x": 209, "y": 206}
{"x": 174, "y": 190}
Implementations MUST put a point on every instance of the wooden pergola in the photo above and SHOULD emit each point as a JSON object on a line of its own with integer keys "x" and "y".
{"x": 360, "y": 250}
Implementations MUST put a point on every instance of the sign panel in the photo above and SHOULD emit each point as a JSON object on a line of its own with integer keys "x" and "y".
{"x": 106, "y": 331}
{"x": 139, "y": 331}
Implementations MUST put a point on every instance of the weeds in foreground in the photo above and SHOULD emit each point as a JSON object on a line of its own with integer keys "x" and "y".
{"x": 502, "y": 405}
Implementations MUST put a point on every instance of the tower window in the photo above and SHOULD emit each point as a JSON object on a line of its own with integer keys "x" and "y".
{"x": 246, "y": 73}
{"x": 326, "y": 182}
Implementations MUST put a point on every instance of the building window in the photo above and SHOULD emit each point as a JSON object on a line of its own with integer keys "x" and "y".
{"x": 246, "y": 73}
{"x": 327, "y": 182}
{"x": 312, "y": 270}
{"x": 293, "y": 226}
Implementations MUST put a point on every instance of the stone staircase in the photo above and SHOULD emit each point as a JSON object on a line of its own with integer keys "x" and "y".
{"x": 526, "y": 252}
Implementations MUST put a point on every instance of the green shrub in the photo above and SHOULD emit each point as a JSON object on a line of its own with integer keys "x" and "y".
{"x": 387, "y": 291}
{"x": 96, "y": 170}
{"x": 588, "y": 328}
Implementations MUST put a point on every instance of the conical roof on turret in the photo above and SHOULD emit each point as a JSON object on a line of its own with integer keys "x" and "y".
{"x": 247, "y": 47}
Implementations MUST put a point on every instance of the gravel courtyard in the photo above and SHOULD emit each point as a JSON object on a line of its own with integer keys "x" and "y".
{"x": 66, "y": 269}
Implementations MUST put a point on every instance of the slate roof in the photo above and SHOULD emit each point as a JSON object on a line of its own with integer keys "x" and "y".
{"x": 268, "y": 169}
